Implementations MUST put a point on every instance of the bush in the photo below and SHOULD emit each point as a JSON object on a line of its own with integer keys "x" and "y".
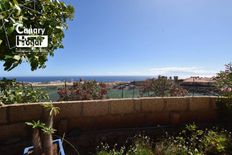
{"x": 224, "y": 85}
{"x": 141, "y": 146}
{"x": 12, "y": 92}
{"x": 190, "y": 141}
{"x": 194, "y": 141}
{"x": 83, "y": 90}
{"x": 162, "y": 86}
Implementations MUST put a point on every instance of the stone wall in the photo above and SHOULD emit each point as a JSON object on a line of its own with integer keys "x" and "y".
{"x": 107, "y": 114}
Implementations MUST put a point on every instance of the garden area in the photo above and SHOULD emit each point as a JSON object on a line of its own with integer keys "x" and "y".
{"x": 158, "y": 117}
{"x": 174, "y": 137}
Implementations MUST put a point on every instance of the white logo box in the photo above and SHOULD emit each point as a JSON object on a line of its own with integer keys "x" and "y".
{"x": 31, "y": 41}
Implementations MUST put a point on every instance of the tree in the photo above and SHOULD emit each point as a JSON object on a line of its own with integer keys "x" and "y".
{"x": 14, "y": 92}
{"x": 51, "y": 15}
{"x": 162, "y": 86}
{"x": 224, "y": 85}
{"x": 224, "y": 81}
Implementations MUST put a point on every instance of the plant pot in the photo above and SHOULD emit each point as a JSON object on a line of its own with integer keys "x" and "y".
{"x": 58, "y": 142}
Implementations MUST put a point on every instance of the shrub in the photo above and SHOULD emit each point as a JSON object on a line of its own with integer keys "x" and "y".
{"x": 162, "y": 86}
{"x": 14, "y": 92}
{"x": 141, "y": 145}
{"x": 224, "y": 85}
{"x": 194, "y": 141}
{"x": 190, "y": 141}
{"x": 83, "y": 90}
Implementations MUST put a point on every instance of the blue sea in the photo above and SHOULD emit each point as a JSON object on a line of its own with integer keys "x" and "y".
{"x": 46, "y": 79}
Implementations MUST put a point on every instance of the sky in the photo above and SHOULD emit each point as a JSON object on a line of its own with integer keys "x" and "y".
{"x": 142, "y": 37}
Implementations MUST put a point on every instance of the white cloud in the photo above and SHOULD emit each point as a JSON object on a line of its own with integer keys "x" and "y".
{"x": 183, "y": 71}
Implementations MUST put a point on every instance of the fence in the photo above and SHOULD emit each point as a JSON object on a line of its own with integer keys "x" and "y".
{"x": 134, "y": 90}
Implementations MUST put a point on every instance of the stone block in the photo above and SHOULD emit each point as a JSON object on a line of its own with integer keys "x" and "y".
{"x": 176, "y": 104}
{"x": 97, "y": 108}
{"x": 122, "y": 106}
{"x": 3, "y": 115}
{"x": 13, "y": 130}
{"x": 152, "y": 104}
{"x": 24, "y": 112}
{"x": 137, "y": 105}
{"x": 62, "y": 126}
{"x": 175, "y": 118}
{"x": 69, "y": 109}
{"x": 213, "y": 104}
{"x": 199, "y": 103}
{"x": 156, "y": 118}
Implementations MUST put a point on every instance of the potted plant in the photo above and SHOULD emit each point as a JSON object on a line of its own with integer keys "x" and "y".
{"x": 43, "y": 143}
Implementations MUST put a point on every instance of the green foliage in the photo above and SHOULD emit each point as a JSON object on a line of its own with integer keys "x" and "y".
{"x": 34, "y": 124}
{"x": 163, "y": 87}
{"x": 224, "y": 85}
{"x": 105, "y": 150}
{"x": 41, "y": 128}
{"x": 194, "y": 141}
{"x": 50, "y": 107}
{"x": 141, "y": 146}
{"x": 50, "y": 14}
{"x": 190, "y": 141}
{"x": 48, "y": 130}
{"x": 224, "y": 81}
{"x": 13, "y": 92}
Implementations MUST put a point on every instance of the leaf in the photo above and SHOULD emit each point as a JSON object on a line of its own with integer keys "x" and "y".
{"x": 1, "y": 17}
{"x": 15, "y": 2}
{"x": 8, "y": 57}
{"x": 6, "y": 20}
{"x": 10, "y": 30}
{"x": 18, "y": 10}
{"x": 12, "y": 19}
{"x": 16, "y": 57}
{"x": 29, "y": 123}
{"x": 59, "y": 27}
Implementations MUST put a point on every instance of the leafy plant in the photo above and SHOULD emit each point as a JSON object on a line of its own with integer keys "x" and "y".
{"x": 36, "y": 140}
{"x": 141, "y": 145}
{"x": 194, "y": 141}
{"x": 224, "y": 85}
{"x": 13, "y": 92}
{"x": 162, "y": 86}
{"x": 52, "y": 15}
{"x": 190, "y": 141}
{"x": 42, "y": 132}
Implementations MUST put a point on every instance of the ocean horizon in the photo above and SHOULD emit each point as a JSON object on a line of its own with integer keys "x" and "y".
{"x": 45, "y": 79}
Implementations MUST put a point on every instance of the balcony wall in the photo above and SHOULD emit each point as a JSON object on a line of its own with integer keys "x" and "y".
{"x": 108, "y": 114}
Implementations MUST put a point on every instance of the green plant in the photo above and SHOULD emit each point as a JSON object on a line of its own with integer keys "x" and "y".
{"x": 42, "y": 132}
{"x": 162, "y": 86}
{"x": 13, "y": 92}
{"x": 113, "y": 151}
{"x": 36, "y": 140}
{"x": 224, "y": 85}
{"x": 194, "y": 141}
{"x": 141, "y": 145}
{"x": 224, "y": 81}
{"x": 51, "y": 15}
{"x": 216, "y": 142}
